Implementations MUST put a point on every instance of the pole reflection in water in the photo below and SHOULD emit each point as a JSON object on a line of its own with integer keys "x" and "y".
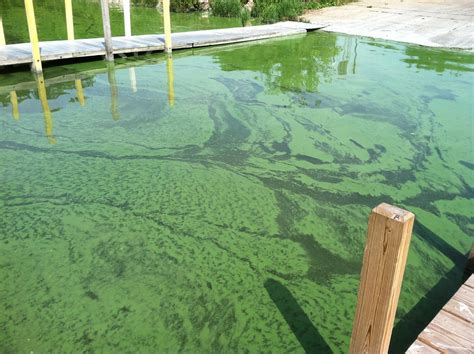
{"x": 133, "y": 79}
{"x": 169, "y": 70}
{"x": 80, "y": 92}
{"x": 48, "y": 121}
{"x": 113, "y": 90}
{"x": 14, "y": 102}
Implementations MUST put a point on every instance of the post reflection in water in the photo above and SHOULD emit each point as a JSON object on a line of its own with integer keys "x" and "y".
{"x": 349, "y": 52}
{"x": 80, "y": 92}
{"x": 133, "y": 79}
{"x": 14, "y": 102}
{"x": 169, "y": 71}
{"x": 48, "y": 121}
{"x": 113, "y": 90}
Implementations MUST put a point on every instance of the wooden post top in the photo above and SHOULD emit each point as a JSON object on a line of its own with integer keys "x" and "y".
{"x": 393, "y": 212}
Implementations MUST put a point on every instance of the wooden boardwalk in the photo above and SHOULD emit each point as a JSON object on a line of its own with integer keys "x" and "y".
{"x": 14, "y": 54}
{"x": 452, "y": 330}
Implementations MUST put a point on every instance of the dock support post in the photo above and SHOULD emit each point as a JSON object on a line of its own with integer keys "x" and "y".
{"x": 170, "y": 72}
{"x": 48, "y": 120}
{"x": 14, "y": 102}
{"x": 386, "y": 251}
{"x": 2, "y": 33}
{"x": 35, "y": 49}
{"x": 109, "y": 54}
{"x": 126, "y": 18}
{"x": 167, "y": 25}
{"x": 69, "y": 20}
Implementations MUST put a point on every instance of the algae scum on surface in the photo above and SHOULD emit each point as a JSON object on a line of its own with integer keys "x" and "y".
{"x": 218, "y": 202}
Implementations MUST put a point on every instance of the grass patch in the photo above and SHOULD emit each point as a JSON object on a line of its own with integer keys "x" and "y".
{"x": 270, "y": 11}
{"x": 226, "y": 8}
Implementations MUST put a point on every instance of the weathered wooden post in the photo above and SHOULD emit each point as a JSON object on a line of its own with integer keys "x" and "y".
{"x": 2, "y": 33}
{"x": 109, "y": 53}
{"x": 170, "y": 72}
{"x": 385, "y": 256}
{"x": 126, "y": 18}
{"x": 79, "y": 92}
{"x": 35, "y": 49}
{"x": 167, "y": 25}
{"x": 48, "y": 120}
{"x": 14, "y": 102}
{"x": 69, "y": 20}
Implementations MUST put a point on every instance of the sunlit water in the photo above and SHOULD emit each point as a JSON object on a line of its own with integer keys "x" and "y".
{"x": 218, "y": 201}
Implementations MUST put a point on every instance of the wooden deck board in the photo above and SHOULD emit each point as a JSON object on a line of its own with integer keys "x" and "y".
{"x": 452, "y": 330}
{"x": 419, "y": 347}
{"x": 470, "y": 282}
{"x": 13, "y": 54}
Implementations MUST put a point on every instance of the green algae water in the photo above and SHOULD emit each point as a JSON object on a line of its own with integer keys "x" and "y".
{"x": 51, "y": 20}
{"x": 218, "y": 202}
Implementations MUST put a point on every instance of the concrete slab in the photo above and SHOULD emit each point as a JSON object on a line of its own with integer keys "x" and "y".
{"x": 432, "y": 23}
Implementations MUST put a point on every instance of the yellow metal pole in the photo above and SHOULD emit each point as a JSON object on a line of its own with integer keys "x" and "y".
{"x": 35, "y": 49}
{"x": 80, "y": 92}
{"x": 14, "y": 102}
{"x": 48, "y": 120}
{"x": 2, "y": 33}
{"x": 167, "y": 25}
{"x": 69, "y": 20}
{"x": 169, "y": 70}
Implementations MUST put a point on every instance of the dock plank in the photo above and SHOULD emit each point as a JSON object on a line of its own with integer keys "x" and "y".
{"x": 452, "y": 330}
{"x": 419, "y": 347}
{"x": 13, "y": 54}
{"x": 459, "y": 307}
{"x": 470, "y": 282}
{"x": 447, "y": 333}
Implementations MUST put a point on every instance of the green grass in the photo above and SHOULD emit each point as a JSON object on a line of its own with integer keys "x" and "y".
{"x": 226, "y": 8}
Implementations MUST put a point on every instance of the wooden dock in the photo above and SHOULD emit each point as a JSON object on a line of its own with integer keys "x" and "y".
{"x": 15, "y": 54}
{"x": 452, "y": 330}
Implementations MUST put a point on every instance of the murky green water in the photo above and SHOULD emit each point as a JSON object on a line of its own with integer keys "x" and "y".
{"x": 51, "y": 20}
{"x": 218, "y": 202}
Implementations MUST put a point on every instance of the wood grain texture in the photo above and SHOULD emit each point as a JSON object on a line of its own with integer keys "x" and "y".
{"x": 386, "y": 251}
{"x": 419, "y": 347}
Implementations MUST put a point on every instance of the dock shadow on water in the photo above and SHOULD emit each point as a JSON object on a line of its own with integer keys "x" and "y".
{"x": 300, "y": 324}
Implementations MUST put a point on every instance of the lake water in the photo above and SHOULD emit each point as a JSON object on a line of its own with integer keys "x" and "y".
{"x": 218, "y": 201}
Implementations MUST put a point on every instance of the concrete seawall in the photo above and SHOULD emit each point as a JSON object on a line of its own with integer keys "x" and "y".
{"x": 432, "y": 23}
